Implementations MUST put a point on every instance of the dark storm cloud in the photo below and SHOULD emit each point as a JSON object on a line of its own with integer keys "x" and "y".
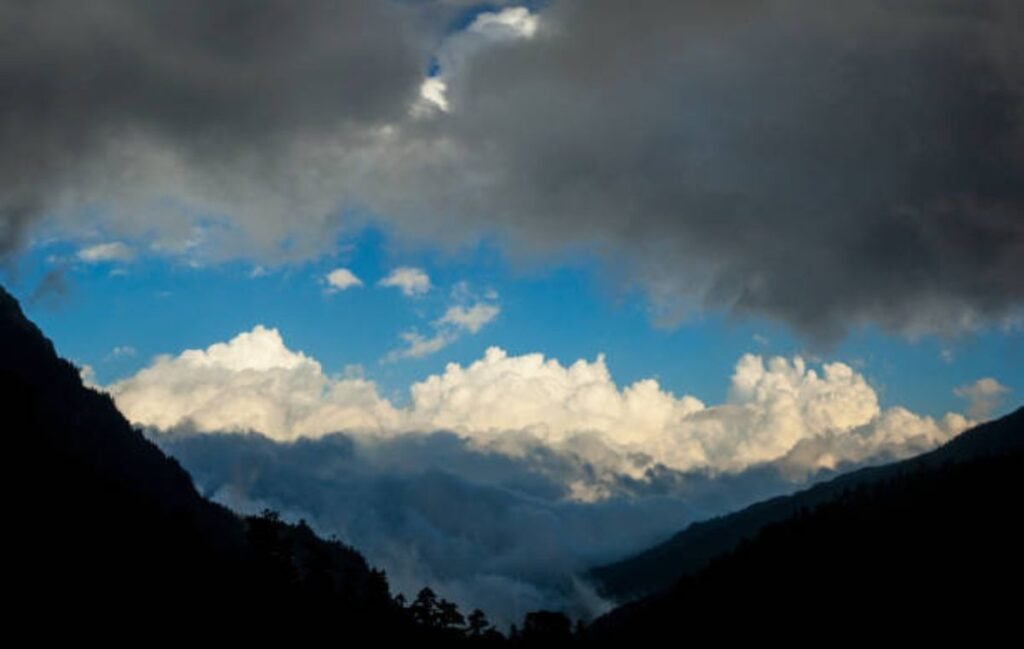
{"x": 825, "y": 163}
{"x": 828, "y": 164}
{"x": 92, "y": 92}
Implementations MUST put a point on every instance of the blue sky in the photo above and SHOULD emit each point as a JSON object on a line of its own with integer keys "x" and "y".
{"x": 563, "y": 308}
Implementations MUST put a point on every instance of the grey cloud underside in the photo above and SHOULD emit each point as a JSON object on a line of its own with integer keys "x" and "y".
{"x": 484, "y": 529}
{"x": 97, "y": 97}
{"x": 828, "y": 164}
{"x": 825, "y": 163}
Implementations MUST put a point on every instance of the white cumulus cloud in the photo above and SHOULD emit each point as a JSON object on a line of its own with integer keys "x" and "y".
{"x": 341, "y": 279}
{"x": 779, "y": 410}
{"x": 251, "y": 383}
{"x": 411, "y": 281}
{"x": 500, "y": 393}
{"x": 509, "y": 22}
{"x": 433, "y": 98}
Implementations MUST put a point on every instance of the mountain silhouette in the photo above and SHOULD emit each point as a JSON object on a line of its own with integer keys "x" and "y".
{"x": 661, "y": 566}
{"x": 923, "y": 548}
{"x": 108, "y": 537}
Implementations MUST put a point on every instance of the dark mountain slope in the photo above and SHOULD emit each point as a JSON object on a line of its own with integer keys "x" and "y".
{"x": 924, "y": 548}
{"x": 104, "y": 530}
{"x": 660, "y": 567}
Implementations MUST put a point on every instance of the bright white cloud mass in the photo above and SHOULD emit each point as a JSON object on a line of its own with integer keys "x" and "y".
{"x": 779, "y": 409}
{"x": 252, "y": 382}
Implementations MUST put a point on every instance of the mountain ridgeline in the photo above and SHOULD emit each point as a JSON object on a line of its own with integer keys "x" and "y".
{"x": 923, "y": 548}
{"x": 660, "y": 567}
{"x": 108, "y": 537}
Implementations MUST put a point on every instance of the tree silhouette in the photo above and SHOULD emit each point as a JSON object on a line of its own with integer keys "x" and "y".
{"x": 270, "y": 550}
{"x": 448, "y": 615}
{"x": 477, "y": 623}
{"x": 424, "y": 608}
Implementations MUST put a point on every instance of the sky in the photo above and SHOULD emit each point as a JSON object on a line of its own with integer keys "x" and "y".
{"x": 581, "y": 271}
{"x": 115, "y": 315}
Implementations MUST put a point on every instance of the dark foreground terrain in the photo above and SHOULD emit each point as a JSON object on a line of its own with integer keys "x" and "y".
{"x": 922, "y": 548}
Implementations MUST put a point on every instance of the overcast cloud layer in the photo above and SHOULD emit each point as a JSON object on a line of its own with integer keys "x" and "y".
{"x": 154, "y": 117}
{"x": 824, "y": 163}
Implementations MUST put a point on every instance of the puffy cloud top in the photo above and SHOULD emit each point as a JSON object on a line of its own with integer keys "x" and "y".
{"x": 802, "y": 403}
{"x": 260, "y": 349}
{"x": 779, "y": 410}
{"x": 530, "y": 393}
{"x": 251, "y": 383}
